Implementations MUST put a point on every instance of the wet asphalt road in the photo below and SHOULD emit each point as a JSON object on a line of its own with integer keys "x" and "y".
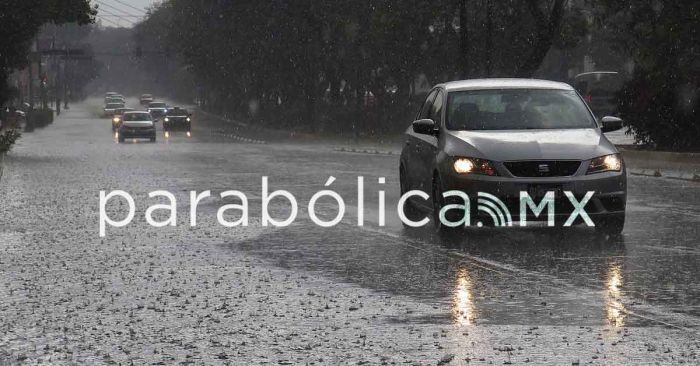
{"x": 305, "y": 294}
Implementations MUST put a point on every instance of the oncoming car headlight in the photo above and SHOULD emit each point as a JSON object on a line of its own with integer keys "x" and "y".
{"x": 188, "y": 119}
{"x": 473, "y": 166}
{"x": 606, "y": 163}
{"x": 167, "y": 119}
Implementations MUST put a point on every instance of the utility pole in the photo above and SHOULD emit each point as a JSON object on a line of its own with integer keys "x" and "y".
{"x": 31, "y": 80}
{"x": 65, "y": 79}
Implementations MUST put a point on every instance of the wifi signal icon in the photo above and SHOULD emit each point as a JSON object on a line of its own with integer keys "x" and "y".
{"x": 495, "y": 208}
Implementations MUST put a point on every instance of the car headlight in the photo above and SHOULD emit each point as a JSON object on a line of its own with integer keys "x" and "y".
{"x": 167, "y": 119}
{"x": 607, "y": 163}
{"x": 473, "y": 166}
{"x": 115, "y": 120}
{"x": 188, "y": 119}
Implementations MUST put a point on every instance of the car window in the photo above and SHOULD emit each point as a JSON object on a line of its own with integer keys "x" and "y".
{"x": 425, "y": 109}
{"x": 137, "y": 117}
{"x": 156, "y": 105}
{"x": 177, "y": 112}
{"x": 436, "y": 109}
{"x": 516, "y": 109}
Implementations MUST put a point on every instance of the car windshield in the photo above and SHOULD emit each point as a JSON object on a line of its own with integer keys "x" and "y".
{"x": 137, "y": 117}
{"x": 114, "y": 105}
{"x": 156, "y": 105}
{"x": 517, "y": 109}
{"x": 177, "y": 112}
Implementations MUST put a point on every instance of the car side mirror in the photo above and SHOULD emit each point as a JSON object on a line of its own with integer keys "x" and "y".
{"x": 611, "y": 123}
{"x": 424, "y": 126}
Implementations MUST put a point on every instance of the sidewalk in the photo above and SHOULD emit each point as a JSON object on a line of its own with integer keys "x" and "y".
{"x": 684, "y": 166}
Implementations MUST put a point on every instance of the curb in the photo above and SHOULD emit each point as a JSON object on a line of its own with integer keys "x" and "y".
{"x": 663, "y": 164}
{"x": 365, "y": 151}
{"x": 222, "y": 133}
{"x": 2, "y": 160}
{"x": 664, "y": 156}
{"x": 655, "y": 173}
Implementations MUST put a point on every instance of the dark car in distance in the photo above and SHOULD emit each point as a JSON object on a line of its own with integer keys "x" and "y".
{"x": 599, "y": 89}
{"x": 157, "y": 109}
{"x": 502, "y": 137}
{"x": 146, "y": 99}
{"x": 177, "y": 119}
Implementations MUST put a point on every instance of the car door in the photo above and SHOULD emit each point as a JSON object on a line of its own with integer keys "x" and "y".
{"x": 415, "y": 169}
{"x": 429, "y": 143}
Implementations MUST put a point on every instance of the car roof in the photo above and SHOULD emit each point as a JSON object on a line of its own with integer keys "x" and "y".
{"x": 479, "y": 84}
{"x": 593, "y": 73}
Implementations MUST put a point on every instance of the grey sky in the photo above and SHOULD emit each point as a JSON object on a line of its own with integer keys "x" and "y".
{"x": 121, "y": 12}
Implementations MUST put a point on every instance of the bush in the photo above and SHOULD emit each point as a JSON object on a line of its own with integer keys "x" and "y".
{"x": 7, "y": 139}
{"x": 662, "y": 115}
{"x": 39, "y": 118}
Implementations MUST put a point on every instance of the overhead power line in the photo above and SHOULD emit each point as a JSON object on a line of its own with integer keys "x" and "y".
{"x": 115, "y": 8}
{"x": 128, "y": 5}
{"x": 109, "y": 21}
{"x": 121, "y": 17}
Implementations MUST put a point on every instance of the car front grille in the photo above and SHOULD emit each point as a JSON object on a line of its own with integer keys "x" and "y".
{"x": 543, "y": 168}
{"x": 137, "y": 128}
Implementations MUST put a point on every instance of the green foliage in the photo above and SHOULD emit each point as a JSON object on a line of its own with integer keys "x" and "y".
{"x": 317, "y": 55}
{"x": 20, "y": 21}
{"x": 8, "y": 138}
{"x": 661, "y": 103}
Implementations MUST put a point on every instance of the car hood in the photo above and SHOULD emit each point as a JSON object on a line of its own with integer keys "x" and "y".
{"x": 565, "y": 144}
{"x": 137, "y": 124}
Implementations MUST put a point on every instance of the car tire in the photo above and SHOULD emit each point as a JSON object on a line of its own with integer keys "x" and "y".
{"x": 438, "y": 203}
{"x": 410, "y": 210}
{"x": 610, "y": 225}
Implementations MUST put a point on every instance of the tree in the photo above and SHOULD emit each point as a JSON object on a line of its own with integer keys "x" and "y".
{"x": 305, "y": 61}
{"x": 20, "y": 21}
{"x": 661, "y": 103}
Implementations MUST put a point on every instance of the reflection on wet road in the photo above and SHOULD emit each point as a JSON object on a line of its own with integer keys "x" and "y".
{"x": 529, "y": 285}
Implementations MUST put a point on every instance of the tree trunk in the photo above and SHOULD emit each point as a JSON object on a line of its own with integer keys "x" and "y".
{"x": 547, "y": 30}
{"x": 464, "y": 40}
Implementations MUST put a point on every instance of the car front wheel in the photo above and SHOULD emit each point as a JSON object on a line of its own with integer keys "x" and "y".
{"x": 611, "y": 225}
{"x": 412, "y": 213}
{"x": 438, "y": 204}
